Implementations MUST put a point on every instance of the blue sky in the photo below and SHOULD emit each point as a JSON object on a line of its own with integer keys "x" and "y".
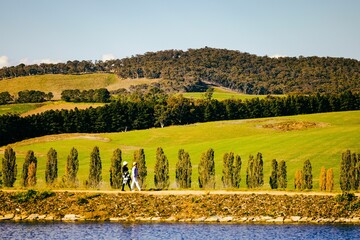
{"x": 34, "y": 31}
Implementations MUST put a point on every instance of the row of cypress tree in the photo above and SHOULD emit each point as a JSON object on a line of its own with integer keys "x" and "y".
{"x": 349, "y": 172}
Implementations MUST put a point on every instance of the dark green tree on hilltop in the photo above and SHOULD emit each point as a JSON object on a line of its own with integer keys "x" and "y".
{"x": 9, "y": 167}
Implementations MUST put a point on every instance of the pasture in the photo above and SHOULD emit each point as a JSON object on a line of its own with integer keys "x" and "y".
{"x": 322, "y": 138}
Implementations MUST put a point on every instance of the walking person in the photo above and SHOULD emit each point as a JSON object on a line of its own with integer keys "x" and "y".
{"x": 135, "y": 175}
{"x": 125, "y": 176}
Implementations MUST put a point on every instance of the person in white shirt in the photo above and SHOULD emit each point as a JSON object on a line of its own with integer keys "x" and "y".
{"x": 135, "y": 175}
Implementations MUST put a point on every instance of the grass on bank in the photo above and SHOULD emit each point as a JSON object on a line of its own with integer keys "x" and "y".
{"x": 323, "y": 145}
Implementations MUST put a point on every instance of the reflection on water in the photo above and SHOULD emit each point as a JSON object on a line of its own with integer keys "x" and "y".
{"x": 58, "y": 230}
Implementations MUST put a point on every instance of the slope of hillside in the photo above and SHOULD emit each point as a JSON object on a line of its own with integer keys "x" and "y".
{"x": 243, "y": 72}
{"x": 322, "y": 138}
{"x": 56, "y": 83}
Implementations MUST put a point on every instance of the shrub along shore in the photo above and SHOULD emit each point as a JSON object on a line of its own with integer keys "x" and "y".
{"x": 201, "y": 206}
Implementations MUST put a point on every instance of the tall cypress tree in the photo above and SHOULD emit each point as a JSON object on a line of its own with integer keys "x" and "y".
{"x": 183, "y": 170}
{"x": 72, "y": 167}
{"x": 259, "y": 170}
{"x": 250, "y": 175}
{"x": 115, "y": 169}
{"x": 322, "y": 179}
{"x": 274, "y": 175}
{"x": 161, "y": 171}
{"x": 282, "y": 175}
{"x": 95, "y": 168}
{"x": 31, "y": 181}
{"x": 51, "y": 171}
{"x": 228, "y": 165}
{"x": 354, "y": 172}
{"x": 30, "y": 158}
{"x": 307, "y": 175}
{"x": 206, "y": 170}
{"x": 345, "y": 183}
{"x": 236, "y": 173}
{"x": 329, "y": 180}
{"x": 298, "y": 180}
{"x": 9, "y": 167}
{"x": 139, "y": 157}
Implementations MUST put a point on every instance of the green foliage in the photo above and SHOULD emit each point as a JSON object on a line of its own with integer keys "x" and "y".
{"x": 161, "y": 170}
{"x": 51, "y": 172}
{"x": 95, "y": 169}
{"x": 29, "y": 164}
{"x": 282, "y": 175}
{"x": 255, "y": 172}
{"x": 350, "y": 171}
{"x": 206, "y": 169}
{"x": 228, "y": 167}
{"x": 274, "y": 175}
{"x": 236, "y": 172}
{"x": 101, "y": 95}
{"x": 33, "y": 96}
{"x": 9, "y": 167}
{"x": 345, "y": 182}
{"x": 5, "y": 98}
{"x": 139, "y": 157}
{"x": 183, "y": 170}
{"x": 72, "y": 167}
{"x": 354, "y": 172}
{"x": 307, "y": 175}
{"x": 345, "y": 196}
{"x": 23, "y": 197}
{"x": 115, "y": 169}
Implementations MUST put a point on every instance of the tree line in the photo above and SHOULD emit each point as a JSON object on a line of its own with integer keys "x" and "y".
{"x": 101, "y": 95}
{"x": 156, "y": 109}
{"x": 26, "y": 96}
{"x": 244, "y": 72}
{"x": 231, "y": 178}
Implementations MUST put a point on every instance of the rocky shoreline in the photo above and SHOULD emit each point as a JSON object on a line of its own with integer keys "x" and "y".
{"x": 205, "y": 208}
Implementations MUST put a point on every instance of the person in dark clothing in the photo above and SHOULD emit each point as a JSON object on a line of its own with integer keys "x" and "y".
{"x": 125, "y": 176}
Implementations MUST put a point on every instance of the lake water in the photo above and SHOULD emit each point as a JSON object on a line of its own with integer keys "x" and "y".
{"x": 107, "y": 230}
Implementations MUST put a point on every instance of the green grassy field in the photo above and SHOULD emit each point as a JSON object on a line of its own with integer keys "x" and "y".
{"x": 323, "y": 144}
{"x": 56, "y": 83}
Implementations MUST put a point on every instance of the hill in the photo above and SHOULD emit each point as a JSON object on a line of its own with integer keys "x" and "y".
{"x": 322, "y": 138}
{"x": 243, "y": 72}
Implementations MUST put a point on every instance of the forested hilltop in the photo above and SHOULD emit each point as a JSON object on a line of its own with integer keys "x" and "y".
{"x": 244, "y": 72}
